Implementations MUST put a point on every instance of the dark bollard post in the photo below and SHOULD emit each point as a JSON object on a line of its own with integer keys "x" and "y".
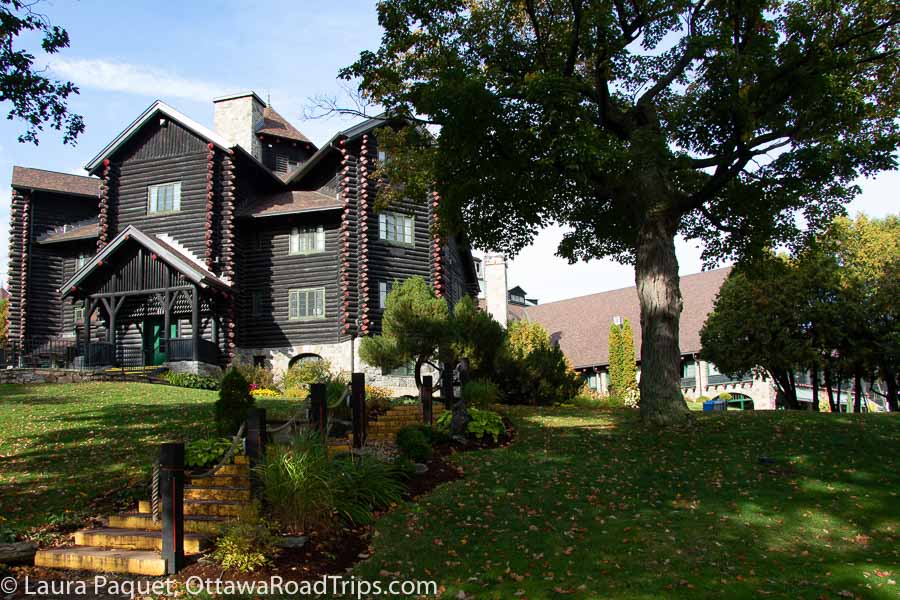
{"x": 171, "y": 493}
{"x": 425, "y": 397}
{"x": 358, "y": 404}
{"x": 256, "y": 443}
{"x": 318, "y": 396}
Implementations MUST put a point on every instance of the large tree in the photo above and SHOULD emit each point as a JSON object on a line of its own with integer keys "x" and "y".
{"x": 33, "y": 97}
{"x": 633, "y": 121}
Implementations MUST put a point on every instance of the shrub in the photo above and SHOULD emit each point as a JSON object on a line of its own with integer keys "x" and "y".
{"x": 725, "y": 396}
{"x": 202, "y": 453}
{"x": 305, "y": 372}
{"x": 233, "y": 403}
{"x": 304, "y": 487}
{"x": 247, "y": 544}
{"x": 377, "y": 397}
{"x": 592, "y": 399}
{"x": 413, "y": 444}
{"x": 192, "y": 380}
{"x": 257, "y": 376}
{"x": 364, "y": 484}
{"x": 264, "y": 393}
{"x": 533, "y": 370}
{"x": 481, "y": 423}
{"x": 480, "y": 393}
{"x": 702, "y": 399}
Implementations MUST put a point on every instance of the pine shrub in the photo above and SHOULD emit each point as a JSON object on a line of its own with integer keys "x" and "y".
{"x": 233, "y": 403}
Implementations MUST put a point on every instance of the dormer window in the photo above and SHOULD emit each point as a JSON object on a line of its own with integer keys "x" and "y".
{"x": 163, "y": 198}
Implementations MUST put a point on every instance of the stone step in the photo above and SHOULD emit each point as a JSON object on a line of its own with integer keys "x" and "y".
{"x": 240, "y": 459}
{"x": 135, "y": 539}
{"x": 232, "y": 481}
{"x": 209, "y": 508}
{"x": 195, "y": 492}
{"x": 144, "y": 521}
{"x": 241, "y": 470}
{"x": 89, "y": 558}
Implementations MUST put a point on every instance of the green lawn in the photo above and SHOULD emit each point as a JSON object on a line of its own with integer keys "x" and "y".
{"x": 590, "y": 504}
{"x": 63, "y": 445}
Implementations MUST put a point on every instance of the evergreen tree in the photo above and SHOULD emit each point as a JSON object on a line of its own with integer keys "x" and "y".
{"x": 233, "y": 403}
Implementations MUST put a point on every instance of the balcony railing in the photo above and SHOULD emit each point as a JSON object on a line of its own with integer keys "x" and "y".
{"x": 72, "y": 354}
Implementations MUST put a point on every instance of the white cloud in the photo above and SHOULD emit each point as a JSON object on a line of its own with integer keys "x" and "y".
{"x": 130, "y": 78}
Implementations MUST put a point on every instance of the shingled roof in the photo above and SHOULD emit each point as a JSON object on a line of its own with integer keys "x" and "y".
{"x": 581, "y": 325}
{"x": 53, "y": 181}
{"x": 274, "y": 124}
{"x": 292, "y": 202}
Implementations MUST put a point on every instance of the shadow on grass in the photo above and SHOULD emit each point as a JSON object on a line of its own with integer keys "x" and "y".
{"x": 591, "y": 504}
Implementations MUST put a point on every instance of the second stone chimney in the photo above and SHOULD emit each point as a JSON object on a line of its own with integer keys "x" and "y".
{"x": 236, "y": 118}
{"x": 495, "y": 293}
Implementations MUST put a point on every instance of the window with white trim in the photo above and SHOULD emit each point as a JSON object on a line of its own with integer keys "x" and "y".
{"x": 307, "y": 240}
{"x": 397, "y": 228}
{"x": 165, "y": 197}
{"x": 306, "y": 303}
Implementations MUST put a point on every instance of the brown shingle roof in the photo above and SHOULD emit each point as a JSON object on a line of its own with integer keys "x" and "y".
{"x": 80, "y": 231}
{"x": 274, "y": 124}
{"x": 581, "y": 325}
{"x": 285, "y": 203}
{"x": 52, "y": 181}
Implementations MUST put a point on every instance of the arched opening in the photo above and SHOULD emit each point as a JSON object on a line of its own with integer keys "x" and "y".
{"x": 302, "y": 358}
{"x": 740, "y": 402}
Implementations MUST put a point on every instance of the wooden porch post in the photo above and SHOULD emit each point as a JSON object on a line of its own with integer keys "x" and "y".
{"x": 195, "y": 323}
{"x": 88, "y": 310}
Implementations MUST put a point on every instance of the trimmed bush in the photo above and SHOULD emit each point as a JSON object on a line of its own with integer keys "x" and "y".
{"x": 413, "y": 444}
{"x": 304, "y": 372}
{"x": 480, "y": 393}
{"x": 233, "y": 403}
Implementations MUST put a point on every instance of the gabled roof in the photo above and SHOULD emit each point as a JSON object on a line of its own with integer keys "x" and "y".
{"x": 292, "y": 202}
{"x": 53, "y": 181}
{"x": 168, "y": 253}
{"x": 157, "y": 108}
{"x": 581, "y": 325}
{"x": 274, "y": 124}
{"x": 517, "y": 290}
{"x": 350, "y": 133}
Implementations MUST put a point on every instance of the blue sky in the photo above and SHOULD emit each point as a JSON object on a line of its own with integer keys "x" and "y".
{"x": 125, "y": 55}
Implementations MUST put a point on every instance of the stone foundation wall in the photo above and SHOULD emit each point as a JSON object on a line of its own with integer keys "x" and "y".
{"x": 195, "y": 367}
{"x": 22, "y": 376}
{"x": 343, "y": 356}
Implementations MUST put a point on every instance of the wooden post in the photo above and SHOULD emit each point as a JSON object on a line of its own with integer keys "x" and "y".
{"x": 425, "y": 397}
{"x": 195, "y": 323}
{"x": 318, "y": 398}
{"x": 88, "y": 309}
{"x": 256, "y": 444}
{"x": 171, "y": 492}
{"x": 358, "y": 404}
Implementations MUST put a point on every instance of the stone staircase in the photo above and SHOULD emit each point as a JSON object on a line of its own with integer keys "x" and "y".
{"x": 385, "y": 427}
{"x": 131, "y": 542}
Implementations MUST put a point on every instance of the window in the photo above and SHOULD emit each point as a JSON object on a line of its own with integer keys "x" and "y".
{"x": 165, "y": 197}
{"x": 382, "y": 156}
{"x": 516, "y": 299}
{"x": 256, "y": 308}
{"x": 78, "y": 315}
{"x": 259, "y": 360}
{"x": 306, "y": 303}
{"x": 407, "y": 370}
{"x": 384, "y": 288}
{"x": 307, "y": 240}
{"x": 397, "y": 228}
{"x": 81, "y": 260}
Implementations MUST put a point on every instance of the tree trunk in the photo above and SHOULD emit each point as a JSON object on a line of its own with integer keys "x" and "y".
{"x": 839, "y": 388}
{"x": 857, "y": 390}
{"x": 656, "y": 277}
{"x": 815, "y": 386}
{"x": 828, "y": 387}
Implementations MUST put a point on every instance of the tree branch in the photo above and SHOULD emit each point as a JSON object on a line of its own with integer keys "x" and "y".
{"x": 569, "y": 67}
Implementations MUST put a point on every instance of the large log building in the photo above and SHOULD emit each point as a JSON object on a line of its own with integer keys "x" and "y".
{"x": 191, "y": 247}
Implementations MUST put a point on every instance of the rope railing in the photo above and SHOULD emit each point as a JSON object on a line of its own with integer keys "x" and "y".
{"x": 301, "y": 411}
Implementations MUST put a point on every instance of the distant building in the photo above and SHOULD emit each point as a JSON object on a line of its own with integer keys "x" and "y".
{"x": 4, "y": 294}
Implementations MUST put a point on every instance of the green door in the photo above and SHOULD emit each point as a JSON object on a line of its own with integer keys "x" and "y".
{"x": 153, "y": 333}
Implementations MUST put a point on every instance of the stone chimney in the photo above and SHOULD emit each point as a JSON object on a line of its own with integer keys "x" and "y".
{"x": 236, "y": 118}
{"x": 495, "y": 291}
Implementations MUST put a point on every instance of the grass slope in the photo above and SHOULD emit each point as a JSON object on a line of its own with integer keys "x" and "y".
{"x": 590, "y": 504}
{"x": 63, "y": 445}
